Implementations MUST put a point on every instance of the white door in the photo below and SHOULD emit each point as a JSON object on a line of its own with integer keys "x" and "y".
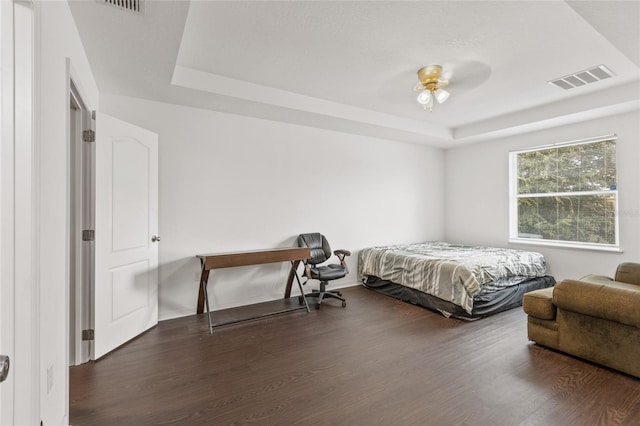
{"x": 126, "y": 242}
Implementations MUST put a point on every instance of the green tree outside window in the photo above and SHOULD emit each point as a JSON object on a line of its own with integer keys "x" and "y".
{"x": 568, "y": 193}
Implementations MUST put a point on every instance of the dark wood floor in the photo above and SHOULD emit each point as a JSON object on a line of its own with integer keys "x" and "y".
{"x": 376, "y": 362}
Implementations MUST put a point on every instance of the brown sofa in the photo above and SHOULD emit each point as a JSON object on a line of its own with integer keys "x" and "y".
{"x": 596, "y": 318}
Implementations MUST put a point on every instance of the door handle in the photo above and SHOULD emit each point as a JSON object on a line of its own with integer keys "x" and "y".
{"x": 4, "y": 367}
{"x": 155, "y": 239}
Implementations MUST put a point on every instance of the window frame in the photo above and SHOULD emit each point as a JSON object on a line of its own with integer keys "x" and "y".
{"x": 514, "y": 196}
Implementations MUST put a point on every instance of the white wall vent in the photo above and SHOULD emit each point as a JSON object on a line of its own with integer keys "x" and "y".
{"x": 130, "y": 5}
{"x": 581, "y": 78}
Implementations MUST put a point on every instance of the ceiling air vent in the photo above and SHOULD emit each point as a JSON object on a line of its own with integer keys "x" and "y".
{"x": 130, "y": 5}
{"x": 583, "y": 77}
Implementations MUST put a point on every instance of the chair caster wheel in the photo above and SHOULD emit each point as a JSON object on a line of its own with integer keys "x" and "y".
{"x": 339, "y": 294}
{"x": 317, "y": 306}
{"x": 344, "y": 304}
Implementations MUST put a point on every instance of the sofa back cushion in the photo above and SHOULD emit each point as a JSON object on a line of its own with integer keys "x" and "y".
{"x": 610, "y": 300}
{"x": 628, "y": 273}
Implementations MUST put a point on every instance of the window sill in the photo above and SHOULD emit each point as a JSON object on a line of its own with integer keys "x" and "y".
{"x": 561, "y": 244}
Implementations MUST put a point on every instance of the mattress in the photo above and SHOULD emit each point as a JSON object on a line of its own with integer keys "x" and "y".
{"x": 483, "y": 303}
{"x": 455, "y": 273}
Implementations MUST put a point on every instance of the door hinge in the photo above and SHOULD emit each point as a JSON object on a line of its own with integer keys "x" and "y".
{"x": 88, "y": 334}
{"x": 88, "y": 235}
{"x": 88, "y": 135}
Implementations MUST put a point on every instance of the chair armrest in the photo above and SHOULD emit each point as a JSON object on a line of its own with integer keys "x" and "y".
{"x": 628, "y": 273}
{"x": 343, "y": 252}
{"x": 307, "y": 271}
{"x": 341, "y": 255}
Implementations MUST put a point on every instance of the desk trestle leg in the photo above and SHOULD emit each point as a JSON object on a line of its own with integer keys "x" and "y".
{"x": 304, "y": 298}
{"x": 206, "y": 301}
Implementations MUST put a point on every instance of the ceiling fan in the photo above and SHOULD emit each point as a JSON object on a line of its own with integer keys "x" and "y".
{"x": 430, "y": 86}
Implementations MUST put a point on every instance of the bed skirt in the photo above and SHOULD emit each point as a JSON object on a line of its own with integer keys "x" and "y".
{"x": 483, "y": 304}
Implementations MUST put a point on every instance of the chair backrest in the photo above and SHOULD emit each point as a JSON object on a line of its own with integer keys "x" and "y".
{"x": 320, "y": 249}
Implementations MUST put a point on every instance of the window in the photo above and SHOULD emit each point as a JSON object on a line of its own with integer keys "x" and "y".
{"x": 566, "y": 194}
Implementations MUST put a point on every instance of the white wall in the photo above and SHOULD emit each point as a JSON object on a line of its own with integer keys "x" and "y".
{"x": 58, "y": 40}
{"x": 477, "y": 194}
{"x": 236, "y": 183}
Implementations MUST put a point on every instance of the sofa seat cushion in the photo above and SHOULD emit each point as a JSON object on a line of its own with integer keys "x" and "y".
{"x": 600, "y": 297}
{"x": 539, "y": 304}
{"x": 597, "y": 279}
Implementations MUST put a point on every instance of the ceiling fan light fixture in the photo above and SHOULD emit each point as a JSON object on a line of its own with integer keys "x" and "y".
{"x": 441, "y": 95}
{"x": 429, "y": 104}
{"x": 430, "y": 86}
{"x": 424, "y": 97}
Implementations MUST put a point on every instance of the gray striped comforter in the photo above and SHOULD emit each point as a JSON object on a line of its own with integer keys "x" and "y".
{"x": 451, "y": 272}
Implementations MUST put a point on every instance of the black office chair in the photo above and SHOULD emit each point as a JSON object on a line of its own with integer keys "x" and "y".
{"x": 320, "y": 252}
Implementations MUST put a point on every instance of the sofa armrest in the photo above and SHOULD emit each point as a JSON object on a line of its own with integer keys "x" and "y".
{"x": 538, "y": 304}
{"x": 613, "y": 300}
{"x": 628, "y": 273}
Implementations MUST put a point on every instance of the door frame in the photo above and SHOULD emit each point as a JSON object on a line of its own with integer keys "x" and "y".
{"x": 81, "y": 217}
{"x": 75, "y": 83}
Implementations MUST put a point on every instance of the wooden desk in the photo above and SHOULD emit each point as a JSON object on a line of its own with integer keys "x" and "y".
{"x": 244, "y": 258}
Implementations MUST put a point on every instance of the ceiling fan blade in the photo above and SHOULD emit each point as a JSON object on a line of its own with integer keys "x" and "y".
{"x": 467, "y": 75}
{"x": 396, "y": 89}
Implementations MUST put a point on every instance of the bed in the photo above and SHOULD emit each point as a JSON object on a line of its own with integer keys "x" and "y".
{"x": 460, "y": 281}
